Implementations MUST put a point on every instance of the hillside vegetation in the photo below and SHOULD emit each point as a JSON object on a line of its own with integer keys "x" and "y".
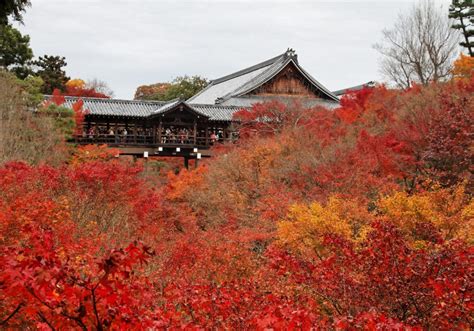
{"x": 357, "y": 218}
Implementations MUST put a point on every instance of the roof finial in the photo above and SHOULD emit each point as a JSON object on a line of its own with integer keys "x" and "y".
{"x": 290, "y": 52}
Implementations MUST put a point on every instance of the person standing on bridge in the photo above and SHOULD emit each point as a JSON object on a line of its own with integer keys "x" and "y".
{"x": 124, "y": 134}
{"x": 213, "y": 137}
{"x": 112, "y": 135}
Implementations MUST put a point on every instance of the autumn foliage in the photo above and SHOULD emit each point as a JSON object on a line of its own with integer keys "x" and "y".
{"x": 463, "y": 67}
{"x": 78, "y": 88}
{"x": 358, "y": 218}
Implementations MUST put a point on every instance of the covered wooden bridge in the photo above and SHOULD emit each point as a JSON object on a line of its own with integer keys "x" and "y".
{"x": 156, "y": 128}
{"x": 189, "y": 128}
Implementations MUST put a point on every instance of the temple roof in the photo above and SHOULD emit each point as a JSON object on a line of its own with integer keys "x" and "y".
{"x": 223, "y": 96}
{"x": 142, "y": 108}
{"x": 244, "y": 81}
{"x": 115, "y": 107}
{"x": 354, "y": 88}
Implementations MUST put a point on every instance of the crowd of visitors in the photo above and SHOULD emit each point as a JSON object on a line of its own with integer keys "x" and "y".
{"x": 169, "y": 135}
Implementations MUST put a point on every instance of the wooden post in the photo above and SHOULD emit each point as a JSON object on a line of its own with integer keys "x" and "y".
{"x": 195, "y": 132}
{"x": 225, "y": 135}
{"x": 186, "y": 162}
{"x": 116, "y": 135}
{"x": 135, "y": 133}
{"x": 146, "y": 166}
{"x": 159, "y": 132}
{"x": 207, "y": 134}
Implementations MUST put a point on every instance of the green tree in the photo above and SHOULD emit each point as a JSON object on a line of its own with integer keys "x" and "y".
{"x": 182, "y": 87}
{"x": 32, "y": 86}
{"x": 13, "y": 8}
{"x": 63, "y": 119}
{"x": 50, "y": 69}
{"x": 15, "y": 51}
{"x": 462, "y": 11}
{"x": 185, "y": 87}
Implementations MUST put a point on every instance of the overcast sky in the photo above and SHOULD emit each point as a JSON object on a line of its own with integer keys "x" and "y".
{"x": 136, "y": 42}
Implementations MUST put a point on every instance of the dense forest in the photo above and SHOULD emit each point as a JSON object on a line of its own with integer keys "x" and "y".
{"x": 357, "y": 218}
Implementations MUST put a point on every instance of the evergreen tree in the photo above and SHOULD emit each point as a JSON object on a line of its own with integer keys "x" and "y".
{"x": 50, "y": 70}
{"x": 462, "y": 11}
{"x": 15, "y": 51}
{"x": 14, "y": 8}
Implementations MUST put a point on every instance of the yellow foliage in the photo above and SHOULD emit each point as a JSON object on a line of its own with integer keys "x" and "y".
{"x": 90, "y": 153}
{"x": 463, "y": 66}
{"x": 306, "y": 225}
{"x": 448, "y": 210}
{"x": 466, "y": 229}
{"x": 76, "y": 83}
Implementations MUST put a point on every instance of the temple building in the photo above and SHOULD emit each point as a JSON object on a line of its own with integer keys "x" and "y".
{"x": 188, "y": 128}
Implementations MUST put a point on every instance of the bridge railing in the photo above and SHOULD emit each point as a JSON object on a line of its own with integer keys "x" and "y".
{"x": 114, "y": 139}
{"x": 146, "y": 140}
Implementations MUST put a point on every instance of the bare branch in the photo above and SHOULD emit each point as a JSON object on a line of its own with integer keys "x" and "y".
{"x": 420, "y": 47}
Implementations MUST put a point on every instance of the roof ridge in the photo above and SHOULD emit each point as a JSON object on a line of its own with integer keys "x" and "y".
{"x": 249, "y": 69}
{"x": 253, "y": 80}
{"x": 277, "y": 67}
{"x": 108, "y": 99}
{"x": 174, "y": 103}
{"x": 211, "y": 105}
{"x": 354, "y": 88}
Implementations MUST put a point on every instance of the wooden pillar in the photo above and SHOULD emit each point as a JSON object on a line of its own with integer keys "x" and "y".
{"x": 159, "y": 131}
{"x": 207, "y": 134}
{"x": 225, "y": 134}
{"x": 186, "y": 162}
{"x": 135, "y": 133}
{"x": 116, "y": 134}
{"x": 195, "y": 132}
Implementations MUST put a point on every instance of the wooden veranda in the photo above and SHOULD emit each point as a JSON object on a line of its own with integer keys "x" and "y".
{"x": 177, "y": 131}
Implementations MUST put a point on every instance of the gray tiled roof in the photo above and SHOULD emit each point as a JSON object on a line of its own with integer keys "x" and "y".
{"x": 244, "y": 81}
{"x": 115, "y": 107}
{"x": 354, "y": 88}
{"x": 248, "y": 101}
{"x": 167, "y": 106}
{"x": 224, "y": 85}
{"x": 217, "y": 112}
{"x": 213, "y": 112}
{"x": 141, "y": 108}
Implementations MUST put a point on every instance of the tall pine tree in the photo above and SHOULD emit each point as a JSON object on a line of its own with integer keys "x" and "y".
{"x": 15, "y": 51}
{"x": 14, "y": 8}
{"x": 50, "y": 69}
{"x": 462, "y": 11}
